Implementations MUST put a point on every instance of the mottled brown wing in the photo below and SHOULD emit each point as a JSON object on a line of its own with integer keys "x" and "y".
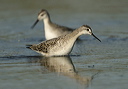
{"x": 46, "y": 45}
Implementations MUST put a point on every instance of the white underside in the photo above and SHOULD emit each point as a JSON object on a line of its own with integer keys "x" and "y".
{"x": 61, "y": 52}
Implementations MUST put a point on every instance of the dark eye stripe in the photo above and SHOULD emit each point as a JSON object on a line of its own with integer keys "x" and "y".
{"x": 42, "y": 14}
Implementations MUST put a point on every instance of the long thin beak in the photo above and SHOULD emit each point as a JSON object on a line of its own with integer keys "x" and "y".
{"x": 96, "y": 37}
{"x": 34, "y": 24}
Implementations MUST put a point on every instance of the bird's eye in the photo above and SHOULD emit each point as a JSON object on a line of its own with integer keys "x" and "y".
{"x": 87, "y": 29}
{"x": 42, "y": 14}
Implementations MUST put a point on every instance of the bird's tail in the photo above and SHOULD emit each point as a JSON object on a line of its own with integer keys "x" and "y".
{"x": 28, "y": 46}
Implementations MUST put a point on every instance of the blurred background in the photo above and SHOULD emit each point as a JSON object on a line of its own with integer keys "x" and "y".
{"x": 107, "y": 18}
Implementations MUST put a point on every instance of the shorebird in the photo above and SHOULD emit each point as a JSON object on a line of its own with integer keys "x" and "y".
{"x": 51, "y": 29}
{"x": 61, "y": 45}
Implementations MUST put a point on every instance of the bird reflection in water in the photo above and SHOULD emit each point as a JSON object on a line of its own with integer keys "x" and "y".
{"x": 63, "y": 66}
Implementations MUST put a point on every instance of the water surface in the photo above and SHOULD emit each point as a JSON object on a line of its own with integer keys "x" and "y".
{"x": 99, "y": 65}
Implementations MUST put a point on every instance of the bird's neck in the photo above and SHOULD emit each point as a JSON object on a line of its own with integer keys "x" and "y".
{"x": 75, "y": 34}
{"x": 48, "y": 28}
{"x": 47, "y": 21}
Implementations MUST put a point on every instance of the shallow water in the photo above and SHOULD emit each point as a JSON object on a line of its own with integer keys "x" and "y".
{"x": 98, "y": 65}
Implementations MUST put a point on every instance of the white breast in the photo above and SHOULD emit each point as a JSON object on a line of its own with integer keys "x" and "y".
{"x": 49, "y": 32}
